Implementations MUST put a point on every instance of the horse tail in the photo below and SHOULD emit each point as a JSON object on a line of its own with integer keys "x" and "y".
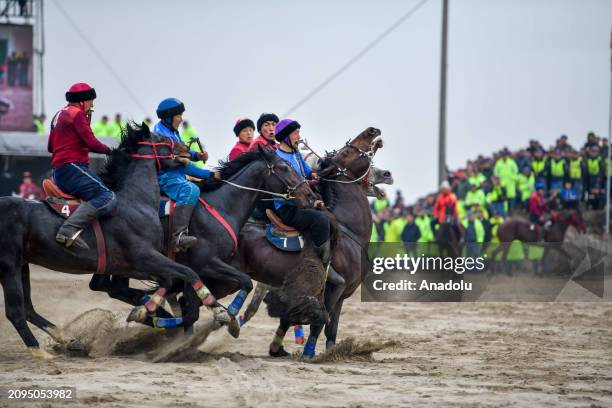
{"x": 13, "y": 226}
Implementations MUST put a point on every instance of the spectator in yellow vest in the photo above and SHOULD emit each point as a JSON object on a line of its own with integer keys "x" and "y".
{"x": 558, "y": 170}
{"x": 100, "y": 127}
{"x": 114, "y": 127}
{"x": 188, "y": 136}
{"x": 394, "y": 228}
{"x": 39, "y": 124}
{"x": 507, "y": 171}
{"x": 525, "y": 184}
{"x": 576, "y": 171}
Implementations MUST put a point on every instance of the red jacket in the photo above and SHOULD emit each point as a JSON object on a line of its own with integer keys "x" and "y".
{"x": 71, "y": 138}
{"x": 238, "y": 149}
{"x": 443, "y": 201}
{"x": 537, "y": 205}
{"x": 260, "y": 140}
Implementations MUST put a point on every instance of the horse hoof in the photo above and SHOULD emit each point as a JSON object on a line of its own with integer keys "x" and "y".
{"x": 223, "y": 317}
{"x": 56, "y": 334}
{"x": 137, "y": 314}
{"x": 329, "y": 345}
{"x": 233, "y": 328}
{"x": 306, "y": 357}
{"x": 278, "y": 353}
{"x": 39, "y": 353}
{"x": 75, "y": 345}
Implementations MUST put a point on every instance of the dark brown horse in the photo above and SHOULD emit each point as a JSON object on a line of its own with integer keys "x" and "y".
{"x": 521, "y": 229}
{"x": 342, "y": 175}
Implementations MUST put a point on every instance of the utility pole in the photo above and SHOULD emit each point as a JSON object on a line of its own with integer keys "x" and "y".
{"x": 442, "y": 121}
{"x": 609, "y": 163}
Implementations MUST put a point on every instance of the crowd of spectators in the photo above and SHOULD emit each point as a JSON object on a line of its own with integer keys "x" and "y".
{"x": 489, "y": 189}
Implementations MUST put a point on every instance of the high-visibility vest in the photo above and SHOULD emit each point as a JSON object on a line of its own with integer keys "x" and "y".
{"x": 525, "y": 185}
{"x": 99, "y": 129}
{"x": 475, "y": 197}
{"x": 380, "y": 204}
{"x": 424, "y": 225}
{"x": 538, "y": 166}
{"x": 186, "y": 136}
{"x": 478, "y": 227}
{"x": 575, "y": 169}
{"x": 477, "y": 180}
{"x": 557, "y": 168}
{"x": 40, "y": 127}
{"x": 594, "y": 166}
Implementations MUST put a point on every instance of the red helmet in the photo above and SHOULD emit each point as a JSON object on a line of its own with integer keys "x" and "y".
{"x": 80, "y": 92}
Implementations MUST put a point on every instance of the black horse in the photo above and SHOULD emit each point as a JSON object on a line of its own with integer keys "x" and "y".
{"x": 245, "y": 180}
{"x": 133, "y": 236}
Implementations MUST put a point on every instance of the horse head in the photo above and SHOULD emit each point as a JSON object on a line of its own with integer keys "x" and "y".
{"x": 354, "y": 160}
{"x": 137, "y": 142}
{"x": 377, "y": 176}
{"x": 574, "y": 218}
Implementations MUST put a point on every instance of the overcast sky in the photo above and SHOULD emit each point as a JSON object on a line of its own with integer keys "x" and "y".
{"x": 518, "y": 69}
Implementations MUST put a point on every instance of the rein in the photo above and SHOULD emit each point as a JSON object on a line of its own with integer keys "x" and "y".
{"x": 343, "y": 170}
{"x": 289, "y": 195}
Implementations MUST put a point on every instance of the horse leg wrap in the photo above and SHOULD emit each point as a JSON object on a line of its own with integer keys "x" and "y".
{"x": 203, "y": 293}
{"x": 237, "y": 303}
{"x": 153, "y": 303}
{"x": 167, "y": 322}
{"x": 310, "y": 347}
{"x": 279, "y": 336}
{"x": 298, "y": 332}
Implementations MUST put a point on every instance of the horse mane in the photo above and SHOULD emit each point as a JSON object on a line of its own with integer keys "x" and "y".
{"x": 115, "y": 168}
{"x": 229, "y": 168}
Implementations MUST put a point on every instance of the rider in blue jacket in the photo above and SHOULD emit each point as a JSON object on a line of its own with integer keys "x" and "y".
{"x": 173, "y": 182}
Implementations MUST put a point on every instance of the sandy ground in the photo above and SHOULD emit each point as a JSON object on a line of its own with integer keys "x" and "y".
{"x": 439, "y": 355}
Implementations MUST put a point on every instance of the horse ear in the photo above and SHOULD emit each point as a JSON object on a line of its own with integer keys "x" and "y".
{"x": 265, "y": 152}
{"x": 145, "y": 127}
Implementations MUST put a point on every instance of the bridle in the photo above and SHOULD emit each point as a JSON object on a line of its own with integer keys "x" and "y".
{"x": 345, "y": 170}
{"x": 156, "y": 155}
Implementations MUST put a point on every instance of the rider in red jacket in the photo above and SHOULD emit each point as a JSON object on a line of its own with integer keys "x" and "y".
{"x": 537, "y": 205}
{"x": 446, "y": 201}
{"x": 70, "y": 142}
{"x": 266, "y": 125}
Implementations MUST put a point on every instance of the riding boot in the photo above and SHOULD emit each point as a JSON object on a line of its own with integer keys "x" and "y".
{"x": 324, "y": 252}
{"x": 69, "y": 232}
{"x": 334, "y": 277}
{"x": 180, "y": 222}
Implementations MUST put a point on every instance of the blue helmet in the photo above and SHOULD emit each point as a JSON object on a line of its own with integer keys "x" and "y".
{"x": 169, "y": 107}
{"x": 539, "y": 186}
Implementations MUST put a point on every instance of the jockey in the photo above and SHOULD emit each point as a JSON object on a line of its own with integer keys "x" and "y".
{"x": 243, "y": 129}
{"x": 537, "y": 205}
{"x": 316, "y": 223}
{"x": 446, "y": 203}
{"x": 266, "y": 125}
{"x": 70, "y": 141}
{"x": 173, "y": 182}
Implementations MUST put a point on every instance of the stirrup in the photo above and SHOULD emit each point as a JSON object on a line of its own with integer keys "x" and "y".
{"x": 68, "y": 241}
{"x": 178, "y": 247}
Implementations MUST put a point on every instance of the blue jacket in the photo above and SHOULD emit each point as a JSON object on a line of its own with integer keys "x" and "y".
{"x": 411, "y": 233}
{"x": 190, "y": 169}
{"x": 297, "y": 162}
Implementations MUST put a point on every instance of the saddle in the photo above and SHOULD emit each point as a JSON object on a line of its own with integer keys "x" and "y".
{"x": 63, "y": 204}
{"x": 282, "y": 236}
